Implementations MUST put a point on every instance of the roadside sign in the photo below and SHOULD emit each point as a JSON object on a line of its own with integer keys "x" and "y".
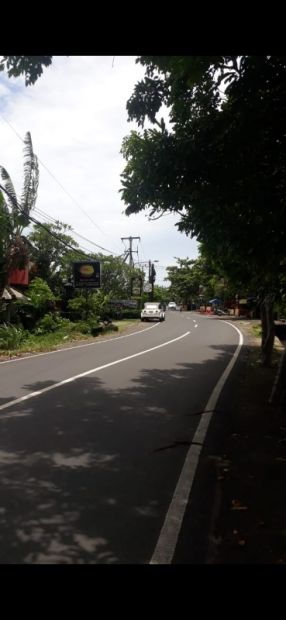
{"x": 86, "y": 274}
{"x": 147, "y": 287}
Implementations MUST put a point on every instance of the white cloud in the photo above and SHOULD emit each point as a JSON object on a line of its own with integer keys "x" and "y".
{"x": 76, "y": 113}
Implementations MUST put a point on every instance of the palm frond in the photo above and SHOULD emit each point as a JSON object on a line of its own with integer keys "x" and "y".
{"x": 31, "y": 177}
{"x": 11, "y": 199}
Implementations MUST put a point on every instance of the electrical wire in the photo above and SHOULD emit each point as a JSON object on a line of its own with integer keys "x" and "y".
{"x": 54, "y": 221}
{"x": 35, "y": 221}
{"x": 57, "y": 181}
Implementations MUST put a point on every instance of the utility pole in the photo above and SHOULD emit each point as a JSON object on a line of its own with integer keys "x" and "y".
{"x": 130, "y": 252}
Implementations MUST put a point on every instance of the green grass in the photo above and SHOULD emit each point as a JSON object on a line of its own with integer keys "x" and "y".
{"x": 50, "y": 341}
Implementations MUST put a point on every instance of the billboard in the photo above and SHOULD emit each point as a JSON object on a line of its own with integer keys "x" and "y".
{"x": 86, "y": 274}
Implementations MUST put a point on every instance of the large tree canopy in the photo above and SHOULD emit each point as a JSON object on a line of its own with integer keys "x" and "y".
{"x": 221, "y": 164}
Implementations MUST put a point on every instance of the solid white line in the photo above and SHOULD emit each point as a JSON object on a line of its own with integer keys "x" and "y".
{"x": 88, "y": 372}
{"x": 79, "y": 346}
{"x": 166, "y": 545}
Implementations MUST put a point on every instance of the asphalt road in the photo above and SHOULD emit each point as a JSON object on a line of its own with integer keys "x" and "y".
{"x": 89, "y": 464}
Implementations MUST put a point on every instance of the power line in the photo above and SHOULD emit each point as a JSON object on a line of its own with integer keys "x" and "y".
{"x": 58, "y": 182}
{"x": 32, "y": 219}
{"x": 53, "y": 220}
{"x": 35, "y": 221}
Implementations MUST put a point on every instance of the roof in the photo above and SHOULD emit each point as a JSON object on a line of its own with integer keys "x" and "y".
{"x": 11, "y": 293}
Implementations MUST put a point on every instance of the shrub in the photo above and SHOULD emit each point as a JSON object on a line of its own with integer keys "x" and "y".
{"x": 11, "y": 337}
{"x": 41, "y": 297}
{"x": 83, "y": 327}
{"x": 51, "y": 323}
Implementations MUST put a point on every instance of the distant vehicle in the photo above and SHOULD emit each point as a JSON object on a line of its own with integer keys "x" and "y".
{"x": 172, "y": 305}
{"x": 151, "y": 311}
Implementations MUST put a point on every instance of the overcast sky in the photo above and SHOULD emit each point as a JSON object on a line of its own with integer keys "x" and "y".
{"x": 76, "y": 114}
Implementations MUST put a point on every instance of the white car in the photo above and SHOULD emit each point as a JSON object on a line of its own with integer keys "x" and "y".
{"x": 152, "y": 310}
{"x": 172, "y": 305}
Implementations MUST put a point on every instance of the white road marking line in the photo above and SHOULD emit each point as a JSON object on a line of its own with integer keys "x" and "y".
{"x": 86, "y": 373}
{"x": 79, "y": 346}
{"x": 166, "y": 545}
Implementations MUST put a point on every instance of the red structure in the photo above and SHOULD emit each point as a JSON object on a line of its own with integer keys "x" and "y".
{"x": 19, "y": 276}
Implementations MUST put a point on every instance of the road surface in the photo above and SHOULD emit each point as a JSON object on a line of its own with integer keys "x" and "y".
{"x": 94, "y": 440}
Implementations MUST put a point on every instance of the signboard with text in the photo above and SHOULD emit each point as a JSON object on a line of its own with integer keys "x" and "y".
{"x": 87, "y": 274}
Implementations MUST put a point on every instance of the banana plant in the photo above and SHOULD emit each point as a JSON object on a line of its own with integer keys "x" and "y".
{"x": 15, "y": 213}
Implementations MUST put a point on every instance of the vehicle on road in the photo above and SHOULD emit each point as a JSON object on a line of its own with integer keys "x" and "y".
{"x": 151, "y": 311}
{"x": 172, "y": 305}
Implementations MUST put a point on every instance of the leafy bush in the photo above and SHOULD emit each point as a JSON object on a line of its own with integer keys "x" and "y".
{"x": 83, "y": 327}
{"x": 93, "y": 306}
{"x": 51, "y": 323}
{"x": 11, "y": 337}
{"x": 46, "y": 324}
{"x": 42, "y": 299}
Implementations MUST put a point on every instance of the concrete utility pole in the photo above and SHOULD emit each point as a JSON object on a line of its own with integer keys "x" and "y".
{"x": 130, "y": 252}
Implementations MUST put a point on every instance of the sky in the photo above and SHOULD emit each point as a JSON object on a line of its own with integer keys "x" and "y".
{"x": 76, "y": 114}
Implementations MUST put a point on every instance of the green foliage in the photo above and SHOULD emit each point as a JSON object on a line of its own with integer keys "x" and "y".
{"x": 93, "y": 305}
{"x": 161, "y": 293}
{"x": 116, "y": 277}
{"x": 50, "y": 254}
{"x": 11, "y": 337}
{"x": 41, "y": 296}
{"x": 53, "y": 322}
{"x": 221, "y": 165}
{"x": 30, "y": 66}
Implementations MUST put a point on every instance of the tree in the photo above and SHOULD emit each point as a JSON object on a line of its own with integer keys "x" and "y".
{"x": 51, "y": 255}
{"x": 221, "y": 166}
{"x": 30, "y": 66}
{"x": 116, "y": 276}
{"x": 16, "y": 212}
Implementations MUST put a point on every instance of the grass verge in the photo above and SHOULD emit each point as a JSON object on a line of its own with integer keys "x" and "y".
{"x": 51, "y": 341}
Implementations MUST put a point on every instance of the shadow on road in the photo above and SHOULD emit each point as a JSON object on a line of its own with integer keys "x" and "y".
{"x": 85, "y": 466}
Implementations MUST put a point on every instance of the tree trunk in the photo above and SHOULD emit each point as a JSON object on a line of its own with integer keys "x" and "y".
{"x": 268, "y": 331}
